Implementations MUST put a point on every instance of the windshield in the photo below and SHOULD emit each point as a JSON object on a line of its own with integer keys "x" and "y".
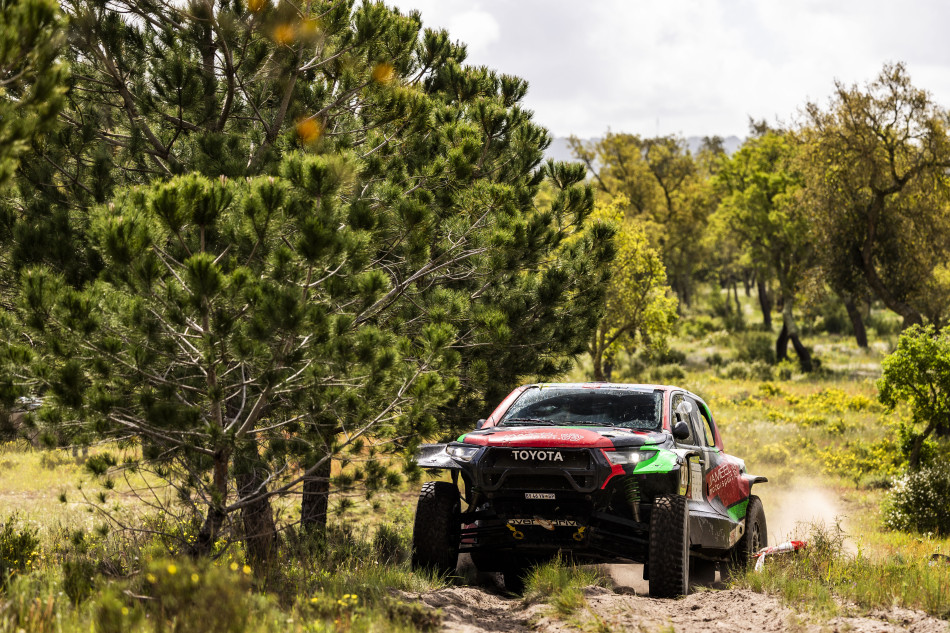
{"x": 577, "y": 406}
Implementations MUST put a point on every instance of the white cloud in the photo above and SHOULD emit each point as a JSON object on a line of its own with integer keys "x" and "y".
{"x": 693, "y": 67}
{"x": 478, "y": 29}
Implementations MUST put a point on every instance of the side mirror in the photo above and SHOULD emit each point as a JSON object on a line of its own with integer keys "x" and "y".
{"x": 680, "y": 430}
{"x": 480, "y": 423}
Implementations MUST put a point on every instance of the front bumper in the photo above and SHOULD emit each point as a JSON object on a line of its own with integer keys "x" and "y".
{"x": 582, "y": 505}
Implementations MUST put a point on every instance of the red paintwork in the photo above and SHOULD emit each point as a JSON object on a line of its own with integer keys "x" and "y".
{"x": 615, "y": 469}
{"x": 544, "y": 437}
{"x": 503, "y": 407}
{"x": 727, "y": 483}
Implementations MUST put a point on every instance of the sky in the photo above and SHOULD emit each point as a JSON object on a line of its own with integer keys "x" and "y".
{"x": 692, "y": 67}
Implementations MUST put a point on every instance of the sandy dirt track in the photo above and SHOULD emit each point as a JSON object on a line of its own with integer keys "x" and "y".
{"x": 487, "y": 609}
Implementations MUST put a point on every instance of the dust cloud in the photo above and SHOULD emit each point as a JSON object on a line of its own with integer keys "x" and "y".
{"x": 791, "y": 510}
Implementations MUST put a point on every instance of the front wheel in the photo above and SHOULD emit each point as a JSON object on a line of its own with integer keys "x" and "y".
{"x": 437, "y": 529}
{"x": 669, "y": 547}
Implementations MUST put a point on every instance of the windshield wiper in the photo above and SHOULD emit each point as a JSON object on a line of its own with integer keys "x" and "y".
{"x": 526, "y": 422}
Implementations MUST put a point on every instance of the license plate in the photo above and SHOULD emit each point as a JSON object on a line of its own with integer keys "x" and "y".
{"x": 545, "y": 523}
{"x": 539, "y": 495}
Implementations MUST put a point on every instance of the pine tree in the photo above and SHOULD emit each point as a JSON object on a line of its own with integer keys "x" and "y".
{"x": 32, "y": 83}
{"x": 322, "y": 243}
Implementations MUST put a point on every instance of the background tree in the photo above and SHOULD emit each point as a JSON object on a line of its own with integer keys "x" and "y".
{"x": 918, "y": 373}
{"x": 875, "y": 172}
{"x": 761, "y": 206}
{"x": 666, "y": 192}
{"x": 638, "y": 308}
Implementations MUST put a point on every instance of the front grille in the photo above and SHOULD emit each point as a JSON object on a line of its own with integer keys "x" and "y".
{"x": 566, "y": 470}
{"x": 543, "y": 482}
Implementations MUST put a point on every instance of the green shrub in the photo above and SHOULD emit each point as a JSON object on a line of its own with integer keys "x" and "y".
{"x": 884, "y": 323}
{"x": 829, "y": 316}
{"x": 180, "y": 589}
{"x": 18, "y": 549}
{"x": 920, "y": 501}
{"x": 664, "y": 356}
{"x": 390, "y": 545}
{"x": 754, "y": 347}
{"x": 78, "y": 578}
{"x": 418, "y": 615}
{"x": 785, "y": 370}
{"x": 740, "y": 370}
{"x": 699, "y": 326}
{"x": 112, "y": 615}
{"x": 667, "y": 374}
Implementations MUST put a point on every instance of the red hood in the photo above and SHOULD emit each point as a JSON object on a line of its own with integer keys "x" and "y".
{"x": 539, "y": 437}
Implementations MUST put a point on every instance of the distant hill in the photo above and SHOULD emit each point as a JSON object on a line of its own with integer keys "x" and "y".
{"x": 560, "y": 150}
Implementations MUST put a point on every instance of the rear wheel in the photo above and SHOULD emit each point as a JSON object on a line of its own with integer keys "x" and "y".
{"x": 755, "y": 537}
{"x": 669, "y": 547}
{"x": 437, "y": 529}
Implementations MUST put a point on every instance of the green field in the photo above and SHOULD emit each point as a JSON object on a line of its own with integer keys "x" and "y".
{"x": 826, "y": 444}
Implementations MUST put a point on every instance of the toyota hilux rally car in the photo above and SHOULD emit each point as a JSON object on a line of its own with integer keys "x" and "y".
{"x": 600, "y": 472}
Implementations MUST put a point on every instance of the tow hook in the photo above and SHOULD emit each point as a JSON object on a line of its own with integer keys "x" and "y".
{"x": 579, "y": 534}
{"x": 515, "y": 532}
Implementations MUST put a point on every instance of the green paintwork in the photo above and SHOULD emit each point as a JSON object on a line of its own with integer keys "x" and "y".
{"x": 663, "y": 462}
{"x": 737, "y": 511}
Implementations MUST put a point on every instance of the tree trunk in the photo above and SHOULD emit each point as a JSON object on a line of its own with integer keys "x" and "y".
{"x": 781, "y": 345}
{"x": 260, "y": 530}
{"x": 316, "y": 499}
{"x": 765, "y": 302}
{"x": 791, "y": 328}
{"x": 857, "y": 321}
{"x": 608, "y": 369}
{"x": 214, "y": 520}
{"x": 597, "y": 354}
{"x": 804, "y": 355}
{"x": 910, "y": 314}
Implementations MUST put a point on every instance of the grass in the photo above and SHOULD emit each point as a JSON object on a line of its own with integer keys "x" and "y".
{"x": 825, "y": 576}
{"x": 331, "y": 584}
{"x": 823, "y": 432}
{"x": 560, "y": 585}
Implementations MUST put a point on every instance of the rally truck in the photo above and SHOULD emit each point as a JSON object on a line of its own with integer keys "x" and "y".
{"x": 597, "y": 472}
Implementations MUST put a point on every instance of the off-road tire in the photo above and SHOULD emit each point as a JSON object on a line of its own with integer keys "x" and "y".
{"x": 669, "y": 547}
{"x": 437, "y": 529}
{"x": 753, "y": 539}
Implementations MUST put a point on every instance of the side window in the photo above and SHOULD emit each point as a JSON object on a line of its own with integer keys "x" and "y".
{"x": 706, "y": 425}
{"x": 696, "y": 421}
{"x": 681, "y": 412}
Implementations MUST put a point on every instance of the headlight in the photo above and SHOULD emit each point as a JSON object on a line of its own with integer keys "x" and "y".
{"x": 628, "y": 456}
{"x": 464, "y": 453}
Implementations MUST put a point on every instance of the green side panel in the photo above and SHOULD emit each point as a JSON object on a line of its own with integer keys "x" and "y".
{"x": 737, "y": 511}
{"x": 462, "y": 437}
{"x": 662, "y": 462}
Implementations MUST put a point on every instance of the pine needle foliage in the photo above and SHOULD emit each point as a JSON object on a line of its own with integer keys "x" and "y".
{"x": 302, "y": 235}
